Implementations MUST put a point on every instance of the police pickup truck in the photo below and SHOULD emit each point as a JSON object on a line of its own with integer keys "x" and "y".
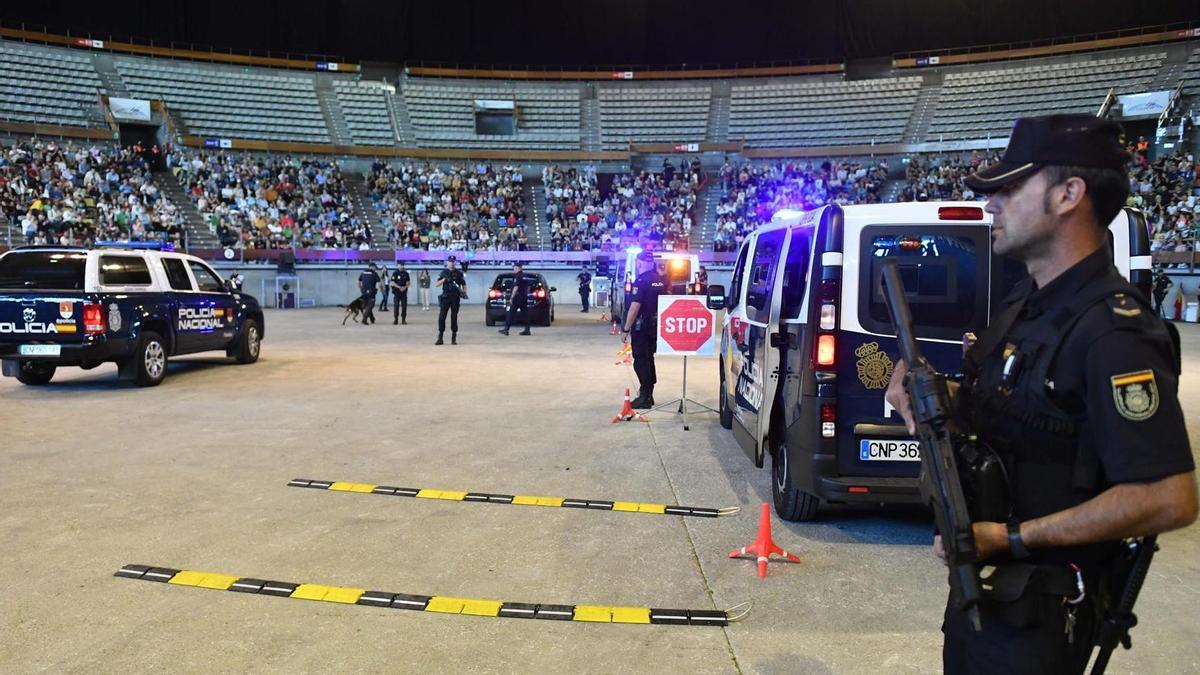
{"x": 808, "y": 347}
{"x": 62, "y": 306}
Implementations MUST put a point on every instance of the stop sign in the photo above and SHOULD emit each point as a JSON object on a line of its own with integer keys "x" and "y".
{"x": 685, "y": 324}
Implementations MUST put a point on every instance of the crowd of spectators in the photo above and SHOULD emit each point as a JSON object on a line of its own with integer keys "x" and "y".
{"x": 657, "y": 207}
{"x": 939, "y": 177}
{"x": 1166, "y": 190}
{"x": 752, "y": 192}
{"x": 459, "y": 208}
{"x": 76, "y": 194}
{"x": 262, "y": 201}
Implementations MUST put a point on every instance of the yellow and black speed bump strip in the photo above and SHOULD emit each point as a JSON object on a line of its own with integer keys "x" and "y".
{"x": 522, "y": 500}
{"x": 433, "y": 603}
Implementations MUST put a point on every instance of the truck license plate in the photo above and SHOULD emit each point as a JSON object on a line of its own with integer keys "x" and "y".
{"x": 888, "y": 450}
{"x": 41, "y": 350}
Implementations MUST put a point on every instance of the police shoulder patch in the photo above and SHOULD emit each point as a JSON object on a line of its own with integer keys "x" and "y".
{"x": 1135, "y": 394}
{"x": 1123, "y": 306}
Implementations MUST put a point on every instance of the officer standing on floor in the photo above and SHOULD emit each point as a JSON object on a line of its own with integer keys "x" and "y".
{"x": 454, "y": 289}
{"x": 641, "y": 326}
{"x": 585, "y": 287}
{"x": 1075, "y": 387}
{"x": 368, "y": 284}
{"x": 399, "y": 284}
{"x": 518, "y": 300}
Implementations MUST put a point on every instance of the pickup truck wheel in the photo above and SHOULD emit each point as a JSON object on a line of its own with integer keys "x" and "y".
{"x": 724, "y": 413}
{"x": 791, "y": 503}
{"x": 150, "y": 361}
{"x": 33, "y": 373}
{"x": 249, "y": 344}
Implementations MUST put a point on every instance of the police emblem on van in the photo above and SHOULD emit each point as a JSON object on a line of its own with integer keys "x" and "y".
{"x": 114, "y": 317}
{"x": 66, "y": 309}
{"x": 30, "y": 315}
{"x": 1135, "y": 394}
{"x": 874, "y": 366}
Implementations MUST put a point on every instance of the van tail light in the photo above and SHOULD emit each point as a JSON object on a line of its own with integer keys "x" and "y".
{"x": 826, "y": 348}
{"x": 828, "y": 420}
{"x": 960, "y": 213}
{"x": 93, "y": 318}
{"x": 826, "y": 343}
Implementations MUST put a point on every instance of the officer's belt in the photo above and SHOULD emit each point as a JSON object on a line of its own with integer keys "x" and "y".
{"x": 1011, "y": 581}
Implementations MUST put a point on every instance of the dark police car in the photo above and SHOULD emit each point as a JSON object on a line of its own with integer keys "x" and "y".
{"x": 64, "y": 306}
{"x": 540, "y": 302}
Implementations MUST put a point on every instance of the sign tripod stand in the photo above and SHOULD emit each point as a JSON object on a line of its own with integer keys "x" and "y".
{"x": 683, "y": 401}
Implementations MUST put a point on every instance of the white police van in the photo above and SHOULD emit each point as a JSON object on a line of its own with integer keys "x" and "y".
{"x": 807, "y": 346}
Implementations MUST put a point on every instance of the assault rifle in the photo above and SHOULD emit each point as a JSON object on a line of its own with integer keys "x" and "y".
{"x": 938, "y": 433}
{"x": 1120, "y": 618}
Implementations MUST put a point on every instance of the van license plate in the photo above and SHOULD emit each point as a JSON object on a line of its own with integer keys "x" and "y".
{"x": 889, "y": 450}
{"x": 41, "y": 350}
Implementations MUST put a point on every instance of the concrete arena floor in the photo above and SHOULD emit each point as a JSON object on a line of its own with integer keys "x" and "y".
{"x": 192, "y": 475}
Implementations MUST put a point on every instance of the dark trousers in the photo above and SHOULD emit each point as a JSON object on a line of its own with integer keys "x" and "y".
{"x": 400, "y": 306}
{"x": 1042, "y": 649}
{"x": 584, "y": 292}
{"x": 368, "y": 308}
{"x": 1158, "y": 301}
{"x": 512, "y": 311}
{"x": 450, "y": 305}
{"x": 643, "y": 344}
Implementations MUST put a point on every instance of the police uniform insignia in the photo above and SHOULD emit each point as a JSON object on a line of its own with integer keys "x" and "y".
{"x": 874, "y": 366}
{"x": 114, "y": 317}
{"x": 1135, "y": 394}
{"x": 1121, "y": 306}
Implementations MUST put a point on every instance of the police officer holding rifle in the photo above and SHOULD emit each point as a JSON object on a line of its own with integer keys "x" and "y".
{"x": 1073, "y": 391}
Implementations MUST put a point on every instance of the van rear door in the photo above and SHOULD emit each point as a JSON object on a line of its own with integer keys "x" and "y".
{"x": 947, "y": 274}
{"x": 757, "y": 378}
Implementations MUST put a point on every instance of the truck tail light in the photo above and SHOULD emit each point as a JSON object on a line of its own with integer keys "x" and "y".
{"x": 828, "y": 316}
{"x": 826, "y": 344}
{"x": 960, "y": 213}
{"x": 93, "y": 318}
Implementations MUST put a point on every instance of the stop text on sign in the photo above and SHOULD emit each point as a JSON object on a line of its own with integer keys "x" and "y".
{"x": 685, "y": 324}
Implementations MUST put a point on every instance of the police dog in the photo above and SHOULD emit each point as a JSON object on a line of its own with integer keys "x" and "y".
{"x": 354, "y": 309}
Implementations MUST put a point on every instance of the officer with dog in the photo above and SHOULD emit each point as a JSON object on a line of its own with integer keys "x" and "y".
{"x": 454, "y": 288}
{"x": 399, "y": 283}
{"x": 1074, "y": 386}
{"x": 641, "y": 326}
{"x": 368, "y": 285}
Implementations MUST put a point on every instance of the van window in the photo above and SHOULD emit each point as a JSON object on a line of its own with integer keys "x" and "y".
{"x": 945, "y": 275}
{"x": 124, "y": 270}
{"x": 735, "y": 283}
{"x": 795, "y": 273}
{"x": 59, "y": 270}
{"x": 763, "y": 268}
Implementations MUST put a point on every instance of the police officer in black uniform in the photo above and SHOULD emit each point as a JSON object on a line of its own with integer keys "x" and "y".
{"x": 1074, "y": 385}
{"x": 585, "y": 287}
{"x": 399, "y": 284}
{"x": 641, "y": 326}
{"x": 368, "y": 284}
{"x": 518, "y": 300}
{"x": 454, "y": 289}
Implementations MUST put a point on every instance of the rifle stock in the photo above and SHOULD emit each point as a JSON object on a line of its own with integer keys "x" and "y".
{"x": 941, "y": 484}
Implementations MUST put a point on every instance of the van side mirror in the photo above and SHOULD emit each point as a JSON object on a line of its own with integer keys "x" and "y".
{"x": 716, "y": 296}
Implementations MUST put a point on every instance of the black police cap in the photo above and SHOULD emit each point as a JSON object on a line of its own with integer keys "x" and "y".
{"x": 1054, "y": 140}
{"x": 646, "y": 256}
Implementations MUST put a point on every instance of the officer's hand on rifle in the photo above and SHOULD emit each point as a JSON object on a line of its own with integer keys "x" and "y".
{"x": 990, "y": 539}
{"x": 897, "y": 397}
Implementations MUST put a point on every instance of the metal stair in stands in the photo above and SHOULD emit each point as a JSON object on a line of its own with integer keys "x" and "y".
{"x": 718, "y": 112}
{"x": 539, "y": 228}
{"x": 331, "y": 110}
{"x": 199, "y": 235}
{"x": 356, "y": 189}
{"x": 704, "y": 230}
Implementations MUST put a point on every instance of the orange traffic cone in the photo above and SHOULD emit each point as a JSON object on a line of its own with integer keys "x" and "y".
{"x": 624, "y": 356}
{"x": 627, "y": 414}
{"x": 764, "y": 546}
